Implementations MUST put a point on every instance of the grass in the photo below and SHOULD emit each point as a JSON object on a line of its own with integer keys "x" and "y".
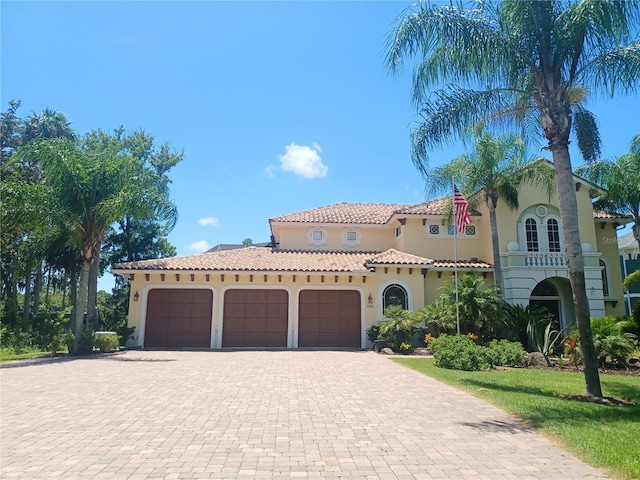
{"x": 604, "y": 436}
{"x": 8, "y": 354}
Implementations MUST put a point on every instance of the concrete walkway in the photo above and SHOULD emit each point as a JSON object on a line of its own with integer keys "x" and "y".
{"x": 284, "y": 414}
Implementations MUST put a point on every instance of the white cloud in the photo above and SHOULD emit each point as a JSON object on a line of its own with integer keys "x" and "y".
{"x": 199, "y": 246}
{"x": 304, "y": 161}
{"x": 208, "y": 222}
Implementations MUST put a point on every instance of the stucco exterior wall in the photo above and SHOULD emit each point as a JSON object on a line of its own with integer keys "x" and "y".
{"x": 374, "y": 239}
{"x": 418, "y": 241}
{"x": 607, "y": 245}
{"x": 509, "y": 229}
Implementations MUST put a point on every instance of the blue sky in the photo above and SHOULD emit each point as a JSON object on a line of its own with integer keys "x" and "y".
{"x": 279, "y": 106}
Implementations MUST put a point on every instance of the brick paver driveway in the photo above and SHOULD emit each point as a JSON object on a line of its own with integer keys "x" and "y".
{"x": 280, "y": 414}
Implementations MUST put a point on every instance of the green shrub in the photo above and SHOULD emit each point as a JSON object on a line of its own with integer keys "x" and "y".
{"x": 373, "y": 333}
{"x": 397, "y": 326}
{"x": 611, "y": 343}
{"x": 107, "y": 343}
{"x": 458, "y": 352}
{"x": 509, "y": 354}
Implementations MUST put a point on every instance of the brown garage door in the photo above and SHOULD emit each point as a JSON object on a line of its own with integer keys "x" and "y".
{"x": 178, "y": 318}
{"x": 255, "y": 318}
{"x": 329, "y": 318}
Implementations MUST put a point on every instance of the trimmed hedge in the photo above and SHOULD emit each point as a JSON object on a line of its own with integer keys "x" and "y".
{"x": 459, "y": 352}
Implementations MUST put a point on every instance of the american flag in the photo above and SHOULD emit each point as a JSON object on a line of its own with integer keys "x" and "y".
{"x": 460, "y": 209}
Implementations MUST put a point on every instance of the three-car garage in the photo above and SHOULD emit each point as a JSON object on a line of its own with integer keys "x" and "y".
{"x": 253, "y": 318}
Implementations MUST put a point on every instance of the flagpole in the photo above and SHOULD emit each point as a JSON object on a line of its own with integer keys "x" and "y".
{"x": 455, "y": 251}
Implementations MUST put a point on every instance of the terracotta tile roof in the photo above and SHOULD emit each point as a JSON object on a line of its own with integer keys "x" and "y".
{"x": 358, "y": 213}
{"x": 604, "y": 215}
{"x": 394, "y": 257}
{"x": 258, "y": 259}
{"x": 462, "y": 264}
{"x": 265, "y": 259}
{"x": 434, "y": 207}
{"x": 364, "y": 213}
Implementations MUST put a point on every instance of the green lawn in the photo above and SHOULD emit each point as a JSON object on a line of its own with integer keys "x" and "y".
{"x": 603, "y": 436}
{"x": 9, "y": 354}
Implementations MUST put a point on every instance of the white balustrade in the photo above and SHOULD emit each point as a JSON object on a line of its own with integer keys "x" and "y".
{"x": 545, "y": 259}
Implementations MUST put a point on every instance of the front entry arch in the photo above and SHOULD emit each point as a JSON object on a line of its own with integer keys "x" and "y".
{"x": 554, "y": 294}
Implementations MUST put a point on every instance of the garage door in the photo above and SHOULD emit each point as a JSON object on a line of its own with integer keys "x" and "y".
{"x": 329, "y": 318}
{"x": 178, "y": 318}
{"x": 255, "y": 318}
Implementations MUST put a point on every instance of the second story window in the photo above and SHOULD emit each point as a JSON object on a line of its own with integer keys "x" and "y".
{"x": 317, "y": 236}
{"x": 553, "y": 235}
{"x": 531, "y": 230}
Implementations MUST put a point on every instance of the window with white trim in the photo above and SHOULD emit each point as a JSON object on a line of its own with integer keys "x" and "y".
{"x": 351, "y": 237}
{"x": 553, "y": 235}
{"x": 317, "y": 236}
{"x": 395, "y": 294}
{"x": 531, "y": 231}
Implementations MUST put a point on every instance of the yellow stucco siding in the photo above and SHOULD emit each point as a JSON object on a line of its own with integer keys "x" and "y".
{"x": 607, "y": 245}
{"x": 509, "y": 221}
{"x": 300, "y": 237}
{"x": 418, "y": 240}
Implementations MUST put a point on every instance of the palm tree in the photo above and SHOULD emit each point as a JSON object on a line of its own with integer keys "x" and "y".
{"x": 48, "y": 124}
{"x": 91, "y": 190}
{"x": 621, "y": 178}
{"x": 493, "y": 171}
{"x": 527, "y": 63}
{"x": 481, "y": 307}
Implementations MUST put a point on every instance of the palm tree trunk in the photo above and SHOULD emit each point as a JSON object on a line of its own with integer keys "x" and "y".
{"x": 81, "y": 303}
{"x": 495, "y": 244}
{"x": 93, "y": 290}
{"x": 575, "y": 261}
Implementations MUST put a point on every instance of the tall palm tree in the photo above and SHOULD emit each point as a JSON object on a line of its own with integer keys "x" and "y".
{"x": 528, "y": 63}
{"x": 47, "y": 124}
{"x": 90, "y": 190}
{"x": 621, "y": 178}
{"x": 494, "y": 170}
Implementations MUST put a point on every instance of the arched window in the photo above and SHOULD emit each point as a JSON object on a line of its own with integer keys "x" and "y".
{"x": 553, "y": 235}
{"x": 605, "y": 280}
{"x": 531, "y": 230}
{"x": 394, "y": 294}
{"x": 545, "y": 289}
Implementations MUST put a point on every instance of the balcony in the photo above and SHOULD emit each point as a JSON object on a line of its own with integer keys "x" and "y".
{"x": 545, "y": 259}
{"x": 554, "y": 260}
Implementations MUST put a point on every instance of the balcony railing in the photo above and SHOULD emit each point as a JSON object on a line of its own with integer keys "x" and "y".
{"x": 545, "y": 259}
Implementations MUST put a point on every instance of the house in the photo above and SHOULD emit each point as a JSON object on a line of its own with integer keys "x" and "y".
{"x": 330, "y": 272}
{"x": 629, "y": 263}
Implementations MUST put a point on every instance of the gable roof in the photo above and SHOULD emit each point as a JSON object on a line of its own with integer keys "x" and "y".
{"x": 257, "y": 259}
{"x": 395, "y": 257}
